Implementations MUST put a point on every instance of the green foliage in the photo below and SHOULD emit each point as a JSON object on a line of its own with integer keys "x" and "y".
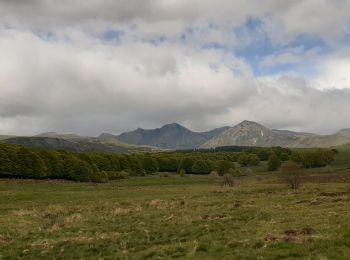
{"x": 17, "y": 161}
{"x": 274, "y": 163}
{"x": 150, "y": 165}
{"x": 292, "y": 174}
{"x": 223, "y": 167}
{"x": 200, "y": 167}
{"x": 182, "y": 173}
{"x": 167, "y": 164}
{"x": 29, "y": 164}
{"x": 186, "y": 164}
{"x": 313, "y": 158}
{"x": 248, "y": 159}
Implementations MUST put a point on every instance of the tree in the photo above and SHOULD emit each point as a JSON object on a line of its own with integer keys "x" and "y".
{"x": 274, "y": 162}
{"x": 248, "y": 159}
{"x": 150, "y": 165}
{"x": 167, "y": 165}
{"x": 224, "y": 167}
{"x": 313, "y": 159}
{"x": 6, "y": 165}
{"x": 243, "y": 160}
{"x": 253, "y": 159}
{"x": 29, "y": 164}
{"x": 200, "y": 167}
{"x": 292, "y": 174}
{"x": 186, "y": 164}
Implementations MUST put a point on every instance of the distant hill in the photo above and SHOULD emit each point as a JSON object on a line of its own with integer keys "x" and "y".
{"x": 170, "y": 136}
{"x": 76, "y": 145}
{"x": 61, "y": 136}
{"x": 250, "y": 133}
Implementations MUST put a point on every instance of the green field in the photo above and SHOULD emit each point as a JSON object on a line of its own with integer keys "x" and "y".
{"x": 178, "y": 217}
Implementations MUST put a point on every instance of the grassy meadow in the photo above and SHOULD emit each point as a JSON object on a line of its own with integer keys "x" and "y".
{"x": 167, "y": 216}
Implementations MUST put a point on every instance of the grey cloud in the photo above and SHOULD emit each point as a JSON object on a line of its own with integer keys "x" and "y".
{"x": 74, "y": 82}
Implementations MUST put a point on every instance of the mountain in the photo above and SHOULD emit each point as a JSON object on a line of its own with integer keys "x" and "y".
{"x": 170, "y": 136}
{"x": 175, "y": 136}
{"x": 250, "y": 133}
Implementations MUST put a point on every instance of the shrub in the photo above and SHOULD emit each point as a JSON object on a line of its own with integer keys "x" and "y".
{"x": 214, "y": 175}
{"x": 224, "y": 167}
{"x": 228, "y": 180}
{"x": 182, "y": 173}
{"x": 100, "y": 177}
{"x": 314, "y": 159}
{"x": 235, "y": 172}
{"x": 200, "y": 167}
{"x": 292, "y": 174}
{"x": 253, "y": 159}
{"x": 243, "y": 160}
{"x": 248, "y": 160}
{"x": 114, "y": 175}
{"x": 274, "y": 163}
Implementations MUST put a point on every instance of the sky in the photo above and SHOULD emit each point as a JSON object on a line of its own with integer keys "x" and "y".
{"x": 91, "y": 66}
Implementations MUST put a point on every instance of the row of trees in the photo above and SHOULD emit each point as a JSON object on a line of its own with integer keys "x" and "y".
{"x": 17, "y": 161}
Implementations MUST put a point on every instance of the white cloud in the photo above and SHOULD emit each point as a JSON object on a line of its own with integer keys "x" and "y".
{"x": 58, "y": 73}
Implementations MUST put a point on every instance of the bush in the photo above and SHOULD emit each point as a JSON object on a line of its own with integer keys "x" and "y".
{"x": 114, "y": 175}
{"x": 314, "y": 159}
{"x": 200, "y": 167}
{"x": 253, "y": 159}
{"x": 292, "y": 174}
{"x": 100, "y": 177}
{"x": 214, "y": 175}
{"x": 248, "y": 160}
{"x": 228, "y": 180}
{"x": 224, "y": 167}
{"x": 274, "y": 163}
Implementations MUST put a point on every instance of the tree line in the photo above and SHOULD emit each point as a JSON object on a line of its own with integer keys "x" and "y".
{"x": 21, "y": 162}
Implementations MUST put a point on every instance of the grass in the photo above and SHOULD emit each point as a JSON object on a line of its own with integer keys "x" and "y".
{"x": 192, "y": 217}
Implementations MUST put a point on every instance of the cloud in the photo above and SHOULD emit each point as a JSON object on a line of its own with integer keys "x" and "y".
{"x": 91, "y": 66}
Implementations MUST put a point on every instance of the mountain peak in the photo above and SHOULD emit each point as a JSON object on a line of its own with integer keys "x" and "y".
{"x": 249, "y": 123}
{"x": 173, "y": 125}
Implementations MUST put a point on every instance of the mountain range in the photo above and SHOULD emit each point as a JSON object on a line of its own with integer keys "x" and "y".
{"x": 177, "y": 137}
{"x": 170, "y": 136}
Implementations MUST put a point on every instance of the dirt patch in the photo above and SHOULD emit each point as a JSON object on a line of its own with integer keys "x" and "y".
{"x": 165, "y": 204}
{"x": 292, "y": 235}
{"x": 326, "y": 178}
{"x": 4, "y": 240}
{"x": 334, "y": 194}
{"x": 216, "y": 217}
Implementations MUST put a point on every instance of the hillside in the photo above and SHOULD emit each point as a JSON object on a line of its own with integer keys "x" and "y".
{"x": 76, "y": 145}
{"x": 170, "y": 136}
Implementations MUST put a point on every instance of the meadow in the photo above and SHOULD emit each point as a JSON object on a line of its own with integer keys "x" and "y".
{"x": 162, "y": 216}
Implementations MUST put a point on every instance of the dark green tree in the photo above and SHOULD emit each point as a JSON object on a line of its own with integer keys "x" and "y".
{"x": 150, "y": 165}
{"x": 274, "y": 162}
{"x": 200, "y": 167}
